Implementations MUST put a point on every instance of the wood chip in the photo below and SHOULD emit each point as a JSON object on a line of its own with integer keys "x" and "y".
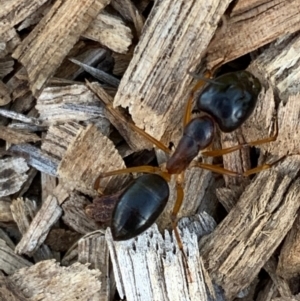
{"x": 155, "y": 85}
{"x": 8, "y": 291}
{"x": 86, "y": 157}
{"x": 5, "y": 212}
{"x": 257, "y": 225}
{"x": 65, "y": 104}
{"x": 10, "y": 262}
{"x": 12, "y": 175}
{"x": 41, "y": 62}
{"x": 13, "y": 12}
{"x": 49, "y": 281}
{"x": 37, "y": 231}
{"x": 110, "y": 31}
{"x": 16, "y": 137}
{"x": 257, "y": 23}
{"x": 93, "y": 249}
{"x": 9, "y": 40}
{"x": 4, "y": 94}
{"x": 138, "y": 266}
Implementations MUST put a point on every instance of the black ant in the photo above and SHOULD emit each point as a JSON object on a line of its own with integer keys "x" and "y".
{"x": 228, "y": 101}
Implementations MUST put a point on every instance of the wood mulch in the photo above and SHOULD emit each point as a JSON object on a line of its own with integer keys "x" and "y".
{"x": 64, "y": 64}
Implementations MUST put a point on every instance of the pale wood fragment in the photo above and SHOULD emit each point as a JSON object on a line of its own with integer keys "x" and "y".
{"x": 39, "y": 227}
{"x": 48, "y": 184}
{"x": 36, "y": 158}
{"x": 86, "y": 157}
{"x": 16, "y": 137}
{"x": 12, "y": 175}
{"x": 5, "y": 212}
{"x": 243, "y": 242}
{"x": 74, "y": 214}
{"x": 150, "y": 267}
{"x": 294, "y": 298}
{"x": 8, "y": 291}
{"x": 39, "y": 54}
{"x": 110, "y": 31}
{"x": 93, "y": 249}
{"x": 58, "y": 138}
{"x": 15, "y": 11}
{"x": 261, "y": 25}
{"x": 48, "y": 281}
{"x": 289, "y": 263}
{"x": 4, "y": 236}
{"x": 18, "y": 116}
{"x": 65, "y": 104}
{"x": 10, "y": 262}
{"x": 129, "y": 11}
{"x": 155, "y": 85}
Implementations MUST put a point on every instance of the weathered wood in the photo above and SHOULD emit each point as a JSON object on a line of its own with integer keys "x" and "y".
{"x": 261, "y": 24}
{"x": 155, "y": 85}
{"x": 8, "y": 291}
{"x": 151, "y": 267}
{"x": 12, "y": 175}
{"x": 37, "y": 52}
{"x": 256, "y": 226}
{"x": 49, "y": 281}
{"x": 86, "y": 157}
{"x": 16, "y": 137}
{"x": 110, "y": 31}
{"x": 93, "y": 249}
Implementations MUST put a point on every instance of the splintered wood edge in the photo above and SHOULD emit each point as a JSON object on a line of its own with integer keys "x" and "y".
{"x": 47, "y": 278}
{"x": 259, "y": 28}
{"x": 259, "y": 211}
{"x": 39, "y": 54}
{"x": 90, "y": 154}
{"x": 152, "y": 267}
{"x": 155, "y": 84}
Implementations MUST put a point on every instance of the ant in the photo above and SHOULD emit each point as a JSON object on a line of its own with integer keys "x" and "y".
{"x": 228, "y": 101}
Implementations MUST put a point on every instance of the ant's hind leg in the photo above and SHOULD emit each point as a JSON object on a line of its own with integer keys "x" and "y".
{"x": 107, "y": 101}
{"x": 224, "y": 151}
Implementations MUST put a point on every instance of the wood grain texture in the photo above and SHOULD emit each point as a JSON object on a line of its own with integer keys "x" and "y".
{"x": 43, "y": 50}
{"x": 155, "y": 86}
{"x": 259, "y": 24}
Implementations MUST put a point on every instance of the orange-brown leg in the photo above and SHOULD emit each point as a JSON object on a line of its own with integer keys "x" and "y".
{"x": 224, "y": 151}
{"x": 116, "y": 114}
{"x": 174, "y": 220}
{"x": 142, "y": 168}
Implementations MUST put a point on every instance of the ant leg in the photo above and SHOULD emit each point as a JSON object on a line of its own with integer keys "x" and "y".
{"x": 188, "y": 108}
{"x": 142, "y": 168}
{"x": 107, "y": 101}
{"x": 174, "y": 220}
{"x": 224, "y": 151}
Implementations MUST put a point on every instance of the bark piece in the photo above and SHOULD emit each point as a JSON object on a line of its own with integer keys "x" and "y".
{"x": 86, "y": 157}
{"x": 15, "y": 11}
{"x": 36, "y": 158}
{"x": 93, "y": 249}
{"x": 289, "y": 263}
{"x": 12, "y": 175}
{"x": 65, "y": 104}
{"x": 243, "y": 242}
{"x": 10, "y": 262}
{"x": 75, "y": 216}
{"x": 39, "y": 54}
{"x": 16, "y": 137}
{"x": 48, "y": 281}
{"x": 41, "y": 224}
{"x": 150, "y": 267}
{"x": 8, "y": 291}
{"x": 110, "y": 31}
{"x": 155, "y": 85}
{"x": 257, "y": 24}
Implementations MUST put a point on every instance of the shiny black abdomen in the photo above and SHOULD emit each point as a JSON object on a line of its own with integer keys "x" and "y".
{"x": 230, "y": 99}
{"x": 140, "y": 205}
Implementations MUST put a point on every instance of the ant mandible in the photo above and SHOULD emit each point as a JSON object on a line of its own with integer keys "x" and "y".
{"x": 228, "y": 101}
